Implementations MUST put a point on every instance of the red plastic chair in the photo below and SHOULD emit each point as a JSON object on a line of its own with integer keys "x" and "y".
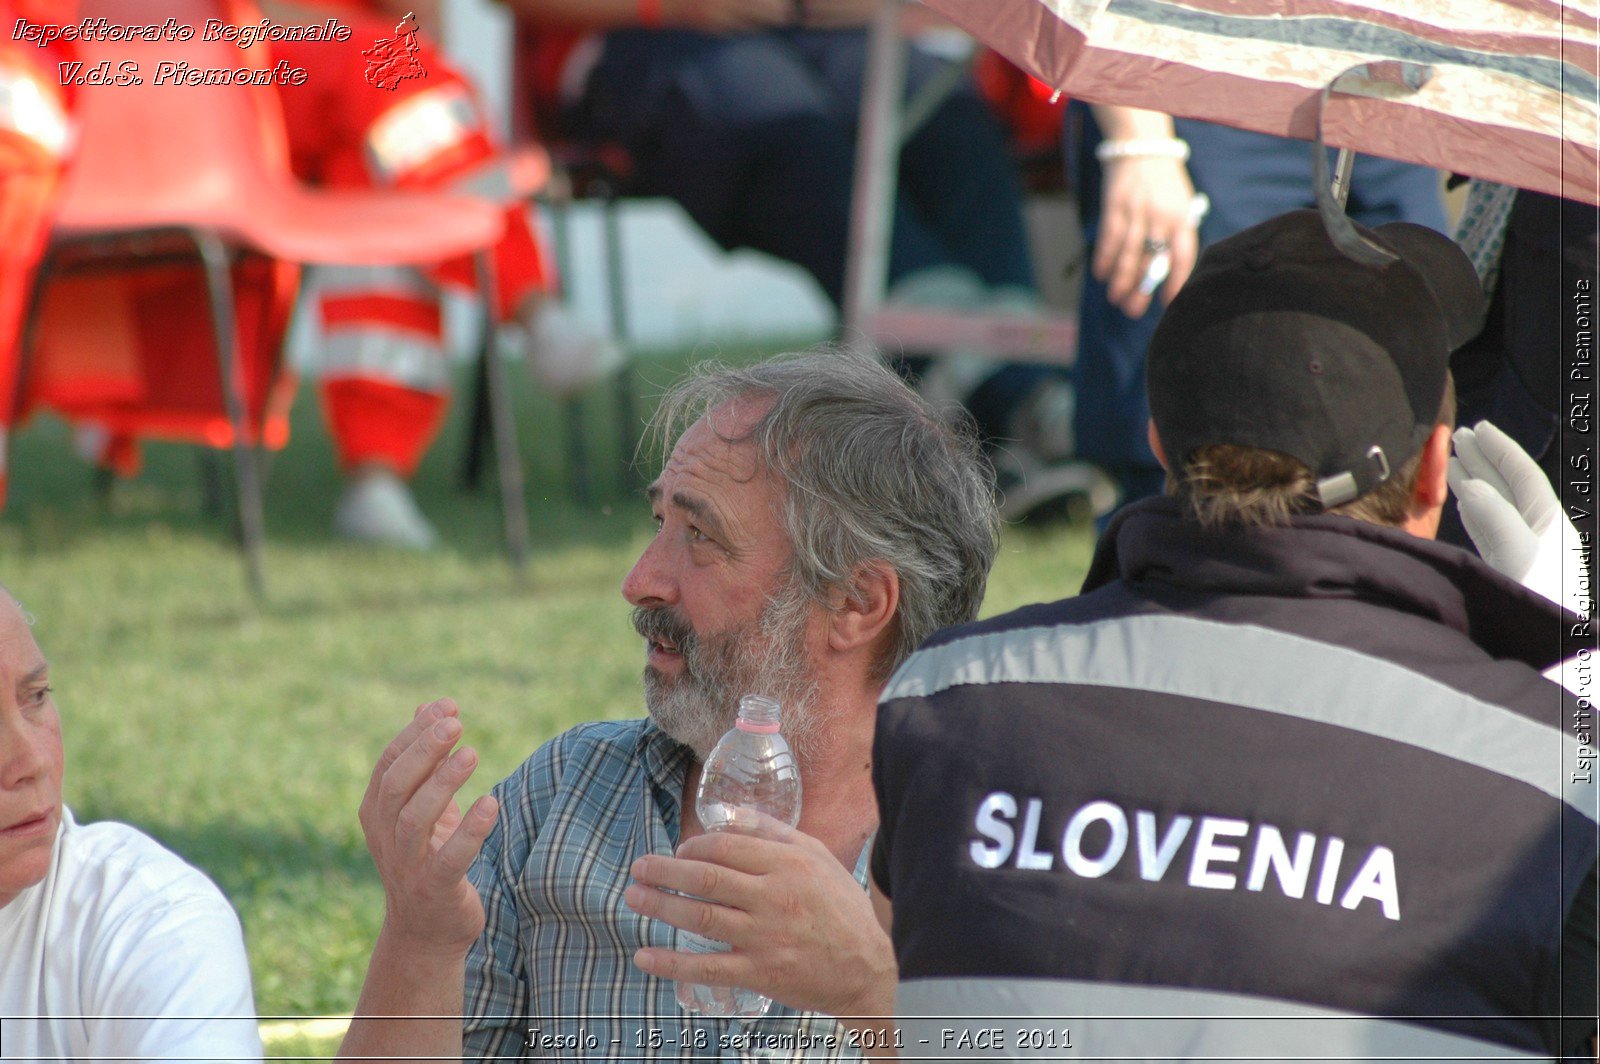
{"x": 202, "y": 170}
{"x": 35, "y": 137}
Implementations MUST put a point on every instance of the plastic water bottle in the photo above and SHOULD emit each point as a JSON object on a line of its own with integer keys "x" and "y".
{"x": 751, "y": 767}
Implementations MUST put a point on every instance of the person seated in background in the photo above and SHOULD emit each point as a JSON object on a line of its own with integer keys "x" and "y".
{"x": 381, "y": 361}
{"x": 815, "y": 521}
{"x": 745, "y": 111}
{"x": 1285, "y": 780}
{"x": 111, "y": 947}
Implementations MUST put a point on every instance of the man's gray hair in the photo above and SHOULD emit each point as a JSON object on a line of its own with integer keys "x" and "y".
{"x": 871, "y": 473}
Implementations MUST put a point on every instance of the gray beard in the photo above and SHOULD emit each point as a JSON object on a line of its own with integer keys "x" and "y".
{"x": 700, "y": 704}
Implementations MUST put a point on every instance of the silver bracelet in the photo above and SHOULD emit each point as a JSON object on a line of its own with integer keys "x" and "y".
{"x": 1165, "y": 148}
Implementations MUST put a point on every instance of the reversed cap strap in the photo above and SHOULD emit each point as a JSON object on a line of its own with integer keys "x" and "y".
{"x": 1385, "y": 79}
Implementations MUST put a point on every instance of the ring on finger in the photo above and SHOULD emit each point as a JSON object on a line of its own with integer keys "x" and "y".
{"x": 1159, "y": 269}
{"x": 1155, "y": 245}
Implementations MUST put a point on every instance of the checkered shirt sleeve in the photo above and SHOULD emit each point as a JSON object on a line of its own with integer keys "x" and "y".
{"x": 552, "y": 975}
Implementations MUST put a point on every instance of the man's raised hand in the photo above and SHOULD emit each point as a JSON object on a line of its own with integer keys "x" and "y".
{"x": 419, "y": 839}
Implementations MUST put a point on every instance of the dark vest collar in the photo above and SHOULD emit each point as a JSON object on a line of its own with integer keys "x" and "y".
{"x": 1332, "y": 557}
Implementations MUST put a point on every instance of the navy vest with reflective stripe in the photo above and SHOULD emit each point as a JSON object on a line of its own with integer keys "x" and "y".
{"x": 1139, "y": 794}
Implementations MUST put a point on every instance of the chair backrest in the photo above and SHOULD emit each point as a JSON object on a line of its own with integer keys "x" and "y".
{"x": 156, "y": 147}
{"x": 159, "y": 153}
{"x": 132, "y": 348}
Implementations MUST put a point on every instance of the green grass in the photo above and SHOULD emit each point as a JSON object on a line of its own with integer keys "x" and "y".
{"x": 242, "y": 737}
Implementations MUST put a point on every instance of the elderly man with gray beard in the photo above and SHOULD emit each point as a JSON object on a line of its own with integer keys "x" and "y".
{"x": 815, "y": 522}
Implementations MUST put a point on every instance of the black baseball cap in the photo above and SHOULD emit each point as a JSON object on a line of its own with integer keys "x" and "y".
{"x": 1281, "y": 342}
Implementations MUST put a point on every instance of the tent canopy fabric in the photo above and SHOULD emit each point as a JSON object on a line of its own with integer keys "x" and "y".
{"x": 1511, "y": 93}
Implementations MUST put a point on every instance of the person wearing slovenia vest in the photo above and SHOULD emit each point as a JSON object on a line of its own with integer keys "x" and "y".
{"x": 1285, "y": 779}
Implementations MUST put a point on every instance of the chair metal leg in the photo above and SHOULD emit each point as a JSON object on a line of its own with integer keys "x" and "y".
{"x": 872, "y": 198}
{"x": 622, "y": 386}
{"x": 219, "y": 287}
{"x": 18, "y": 399}
{"x": 213, "y": 484}
{"x": 105, "y": 482}
{"x": 572, "y": 409}
{"x": 560, "y": 208}
{"x": 478, "y": 430}
{"x": 513, "y": 497}
{"x": 577, "y": 450}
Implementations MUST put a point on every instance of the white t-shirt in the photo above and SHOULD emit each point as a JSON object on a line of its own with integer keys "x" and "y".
{"x": 123, "y": 951}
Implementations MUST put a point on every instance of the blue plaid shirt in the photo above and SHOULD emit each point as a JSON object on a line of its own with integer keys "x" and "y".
{"x": 552, "y": 975}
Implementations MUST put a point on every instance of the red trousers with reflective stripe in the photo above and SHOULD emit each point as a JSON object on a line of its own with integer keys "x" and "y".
{"x": 384, "y": 379}
{"x": 391, "y": 413}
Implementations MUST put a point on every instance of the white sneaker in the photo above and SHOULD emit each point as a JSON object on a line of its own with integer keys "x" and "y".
{"x": 377, "y": 507}
{"x": 563, "y": 355}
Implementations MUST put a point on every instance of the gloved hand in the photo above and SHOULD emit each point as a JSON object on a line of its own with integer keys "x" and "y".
{"x": 1513, "y": 515}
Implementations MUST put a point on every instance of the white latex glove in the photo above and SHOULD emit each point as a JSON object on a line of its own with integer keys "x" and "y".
{"x": 1512, "y": 514}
